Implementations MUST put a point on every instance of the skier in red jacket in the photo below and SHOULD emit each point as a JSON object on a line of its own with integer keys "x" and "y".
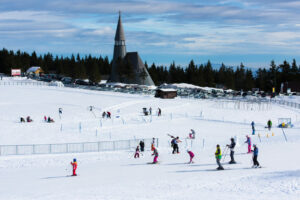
{"x": 74, "y": 164}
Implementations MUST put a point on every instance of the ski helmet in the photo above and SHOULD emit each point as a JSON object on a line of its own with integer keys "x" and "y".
{"x": 74, "y": 159}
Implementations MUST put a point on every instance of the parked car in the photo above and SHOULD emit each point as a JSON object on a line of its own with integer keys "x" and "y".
{"x": 67, "y": 80}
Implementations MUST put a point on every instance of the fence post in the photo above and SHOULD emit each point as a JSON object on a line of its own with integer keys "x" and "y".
{"x": 98, "y": 146}
{"x": 67, "y": 148}
{"x": 16, "y": 149}
{"x": 203, "y": 143}
{"x": 82, "y": 147}
{"x": 33, "y": 149}
{"x": 156, "y": 142}
{"x": 50, "y": 150}
{"x": 114, "y": 145}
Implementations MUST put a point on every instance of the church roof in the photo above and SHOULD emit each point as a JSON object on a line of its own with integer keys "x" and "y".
{"x": 120, "y": 31}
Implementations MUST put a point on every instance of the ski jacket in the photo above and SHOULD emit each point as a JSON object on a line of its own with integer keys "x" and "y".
{"x": 155, "y": 152}
{"x": 74, "y": 164}
{"x": 218, "y": 153}
{"x": 255, "y": 151}
{"x": 231, "y": 146}
{"x": 252, "y": 124}
{"x": 142, "y": 144}
{"x": 269, "y": 123}
{"x": 248, "y": 141}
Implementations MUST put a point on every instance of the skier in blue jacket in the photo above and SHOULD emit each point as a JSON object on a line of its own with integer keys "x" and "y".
{"x": 255, "y": 154}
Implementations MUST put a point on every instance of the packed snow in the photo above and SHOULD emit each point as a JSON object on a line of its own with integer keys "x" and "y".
{"x": 117, "y": 175}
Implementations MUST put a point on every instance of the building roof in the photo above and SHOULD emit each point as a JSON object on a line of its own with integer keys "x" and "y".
{"x": 120, "y": 36}
{"x": 33, "y": 69}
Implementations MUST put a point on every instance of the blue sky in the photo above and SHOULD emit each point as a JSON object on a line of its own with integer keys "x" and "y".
{"x": 230, "y": 31}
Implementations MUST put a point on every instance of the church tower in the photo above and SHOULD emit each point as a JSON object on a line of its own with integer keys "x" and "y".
{"x": 129, "y": 62}
{"x": 119, "y": 50}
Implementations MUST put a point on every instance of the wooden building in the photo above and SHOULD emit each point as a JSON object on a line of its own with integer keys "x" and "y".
{"x": 166, "y": 93}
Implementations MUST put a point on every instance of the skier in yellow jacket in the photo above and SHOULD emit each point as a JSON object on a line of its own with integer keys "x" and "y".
{"x": 218, "y": 155}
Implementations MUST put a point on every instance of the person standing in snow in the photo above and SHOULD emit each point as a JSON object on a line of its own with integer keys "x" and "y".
{"x": 253, "y": 127}
{"x": 175, "y": 146}
{"x": 192, "y": 134}
{"x": 191, "y": 156}
{"x": 150, "y": 111}
{"x": 137, "y": 152}
{"x": 231, "y": 147}
{"x": 248, "y": 141}
{"x": 159, "y": 112}
{"x": 269, "y": 124}
{"x": 155, "y": 153}
{"x": 74, "y": 165}
{"x": 218, "y": 155}
{"x": 142, "y": 145}
{"x": 255, "y": 154}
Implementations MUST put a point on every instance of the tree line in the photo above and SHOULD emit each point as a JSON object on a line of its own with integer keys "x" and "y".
{"x": 93, "y": 68}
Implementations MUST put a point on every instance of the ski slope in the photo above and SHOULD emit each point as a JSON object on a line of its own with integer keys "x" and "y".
{"x": 117, "y": 175}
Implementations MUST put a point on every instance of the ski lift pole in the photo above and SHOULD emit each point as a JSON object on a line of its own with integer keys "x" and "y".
{"x": 284, "y": 134}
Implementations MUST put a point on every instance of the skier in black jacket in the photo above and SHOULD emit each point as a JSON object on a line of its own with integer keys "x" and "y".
{"x": 142, "y": 145}
{"x": 231, "y": 147}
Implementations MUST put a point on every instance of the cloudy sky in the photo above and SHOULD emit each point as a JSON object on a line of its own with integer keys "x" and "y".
{"x": 230, "y": 31}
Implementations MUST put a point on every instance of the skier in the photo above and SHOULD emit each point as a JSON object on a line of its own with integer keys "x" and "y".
{"x": 191, "y": 156}
{"x": 269, "y": 124}
{"x": 218, "y": 155}
{"x": 60, "y": 111}
{"x": 22, "y": 119}
{"x": 248, "y": 141}
{"x": 150, "y": 111}
{"x": 104, "y": 114}
{"x": 155, "y": 153}
{"x": 153, "y": 144}
{"x": 255, "y": 154}
{"x": 159, "y": 112}
{"x": 74, "y": 164}
{"x": 192, "y": 134}
{"x": 137, "y": 152}
{"x": 45, "y": 118}
{"x": 108, "y": 114}
{"x": 174, "y": 143}
{"x": 231, "y": 147}
{"x": 253, "y": 127}
{"x": 28, "y": 119}
{"x": 142, "y": 145}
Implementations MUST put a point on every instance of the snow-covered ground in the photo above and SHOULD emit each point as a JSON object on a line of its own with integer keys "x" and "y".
{"x": 117, "y": 175}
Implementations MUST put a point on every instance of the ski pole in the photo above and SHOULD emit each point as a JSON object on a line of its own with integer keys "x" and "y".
{"x": 225, "y": 153}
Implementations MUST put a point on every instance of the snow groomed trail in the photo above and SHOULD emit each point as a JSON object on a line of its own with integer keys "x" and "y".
{"x": 117, "y": 175}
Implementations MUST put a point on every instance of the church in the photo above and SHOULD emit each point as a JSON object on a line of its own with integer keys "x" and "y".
{"x": 127, "y": 67}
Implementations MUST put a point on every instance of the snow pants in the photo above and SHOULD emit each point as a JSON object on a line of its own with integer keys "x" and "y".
{"x": 175, "y": 148}
{"x": 232, "y": 156}
{"x": 191, "y": 159}
{"x": 219, "y": 163}
{"x": 249, "y": 148}
{"x": 74, "y": 172}
{"x": 136, "y": 155}
{"x": 155, "y": 159}
{"x": 255, "y": 162}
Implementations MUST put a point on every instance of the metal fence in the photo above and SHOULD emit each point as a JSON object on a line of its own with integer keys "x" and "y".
{"x": 30, "y": 149}
{"x": 286, "y": 103}
{"x": 13, "y": 83}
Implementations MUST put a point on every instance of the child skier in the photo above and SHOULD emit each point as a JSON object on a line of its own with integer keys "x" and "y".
{"x": 231, "y": 147}
{"x": 175, "y": 146}
{"x": 255, "y": 154}
{"x": 218, "y": 155}
{"x": 137, "y": 152}
{"x": 155, "y": 153}
{"x": 248, "y": 141}
{"x": 191, "y": 156}
{"x": 74, "y": 164}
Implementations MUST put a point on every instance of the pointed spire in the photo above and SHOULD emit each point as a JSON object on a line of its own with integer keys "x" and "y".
{"x": 120, "y": 36}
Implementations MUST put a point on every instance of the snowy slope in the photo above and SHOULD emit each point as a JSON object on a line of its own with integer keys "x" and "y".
{"x": 117, "y": 175}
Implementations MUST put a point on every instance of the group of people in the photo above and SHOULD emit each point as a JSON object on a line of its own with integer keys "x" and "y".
{"x": 269, "y": 126}
{"x": 106, "y": 114}
{"x": 48, "y": 119}
{"x": 28, "y": 119}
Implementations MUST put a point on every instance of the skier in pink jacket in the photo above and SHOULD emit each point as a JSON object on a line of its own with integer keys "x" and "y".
{"x": 191, "y": 156}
